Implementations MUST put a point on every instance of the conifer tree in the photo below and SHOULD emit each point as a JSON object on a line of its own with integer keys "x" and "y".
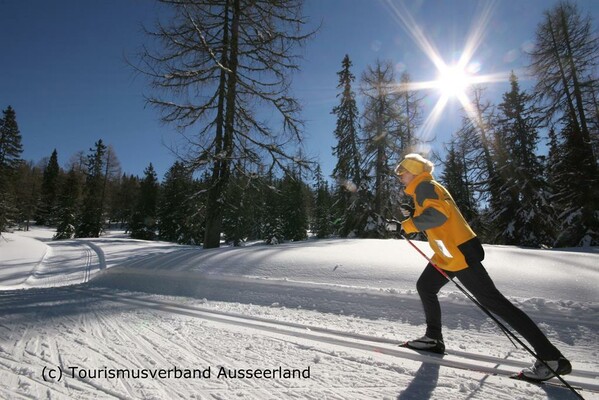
{"x": 525, "y": 210}
{"x": 410, "y": 109}
{"x": 348, "y": 170}
{"x": 10, "y": 158}
{"x": 47, "y": 211}
{"x": 144, "y": 223}
{"x": 27, "y": 181}
{"x": 293, "y": 210}
{"x": 455, "y": 179}
{"x": 112, "y": 172}
{"x": 236, "y": 218}
{"x": 244, "y": 216}
{"x": 180, "y": 217}
{"x": 124, "y": 200}
{"x": 382, "y": 140}
{"x": 474, "y": 143}
{"x": 90, "y": 222}
{"x": 273, "y": 219}
{"x": 564, "y": 61}
{"x": 553, "y": 162}
{"x": 322, "y": 219}
{"x": 410, "y": 113}
{"x": 68, "y": 201}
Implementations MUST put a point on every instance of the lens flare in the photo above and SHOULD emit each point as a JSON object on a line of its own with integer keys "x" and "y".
{"x": 455, "y": 80}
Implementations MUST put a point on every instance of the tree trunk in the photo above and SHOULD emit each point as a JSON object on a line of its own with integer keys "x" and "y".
{"x": 221, "y": 171}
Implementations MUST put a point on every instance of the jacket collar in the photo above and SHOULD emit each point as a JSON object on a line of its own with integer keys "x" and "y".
{"x": 411, "y": 188}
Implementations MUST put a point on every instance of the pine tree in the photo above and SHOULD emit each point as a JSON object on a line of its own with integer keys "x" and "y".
{"x": 293, "y": 208}
{"x": 410, "y": 111}
{"x": 68, "y": 203}
{"x": 574, "y": 201}
{"x": 322, "y": 219}
{"x": 236, "y": 218}
{"x": 92, "y": 214}
{"x": 382, "y": 140}
{"x": 273, "y": 224}
{"x": 347, "y": 172}
{"x": 10, "y": 142}
{"x": 144, "y": 223}
{"x": 10, "y": 159}
{"x": 124, "y": 200}
{"x": 112, "y": 172}
{"x": 475, "y": 145}
{"x": 180, "y": 217}
{"x": 525, "y": 213}
{"x": 26, "y": 193}
{"x": 564, "y": 61}
{"x": 455, "y": 179}
{"x": 47, "y": 211}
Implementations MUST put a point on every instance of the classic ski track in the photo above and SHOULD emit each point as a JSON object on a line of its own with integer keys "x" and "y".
{"x": 41, "y": 270}
{"x": 132, "y": 273}
{"x": 459, "y": 359}
{"x": 88, "y": 265}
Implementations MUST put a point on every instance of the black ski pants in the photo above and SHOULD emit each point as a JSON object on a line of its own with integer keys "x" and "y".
{"x": 478, "y": 282}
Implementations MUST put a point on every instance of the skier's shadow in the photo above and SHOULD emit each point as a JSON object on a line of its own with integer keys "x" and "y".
{"x": 423, "y": 384}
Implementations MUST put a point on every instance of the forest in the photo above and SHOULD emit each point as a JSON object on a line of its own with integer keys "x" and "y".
{"x": 523, "y": 171}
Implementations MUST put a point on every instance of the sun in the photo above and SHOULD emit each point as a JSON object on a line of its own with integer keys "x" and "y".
{"x": 453, "y": 81}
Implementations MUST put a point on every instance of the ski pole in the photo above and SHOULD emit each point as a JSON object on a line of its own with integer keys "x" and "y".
{"x": 505, "y": 330}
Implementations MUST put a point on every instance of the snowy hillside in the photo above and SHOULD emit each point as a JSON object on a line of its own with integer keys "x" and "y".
{"x": 321, "y": 319}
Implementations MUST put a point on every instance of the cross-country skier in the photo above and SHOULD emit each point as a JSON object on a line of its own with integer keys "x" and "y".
{"x": 458, "y": 251}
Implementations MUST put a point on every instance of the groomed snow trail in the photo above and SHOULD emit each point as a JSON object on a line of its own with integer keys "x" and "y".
{"x": 47, "y": 329}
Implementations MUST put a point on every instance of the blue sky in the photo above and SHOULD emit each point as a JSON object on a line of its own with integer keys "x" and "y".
{"x": 63, "y": 67}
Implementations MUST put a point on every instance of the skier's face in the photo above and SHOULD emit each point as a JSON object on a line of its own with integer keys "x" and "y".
{"x": 406, "y": 178}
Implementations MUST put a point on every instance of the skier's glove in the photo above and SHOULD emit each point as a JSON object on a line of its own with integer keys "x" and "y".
{"x": 392, "y": 225}
{"x": 408, "y": 226}
{"x": 406, "y": 210}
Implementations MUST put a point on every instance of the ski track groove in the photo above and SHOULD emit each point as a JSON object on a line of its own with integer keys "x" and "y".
{"x": 377, "y": 345}
{"x": 104, "y": 324}
{"x": 457, "y": 353}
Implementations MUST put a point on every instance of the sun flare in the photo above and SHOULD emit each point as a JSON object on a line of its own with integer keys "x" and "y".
{"x": 453, "y": 81}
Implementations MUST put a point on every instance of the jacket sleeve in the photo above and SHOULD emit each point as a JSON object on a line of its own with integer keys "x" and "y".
{"x": 433, "y": 213}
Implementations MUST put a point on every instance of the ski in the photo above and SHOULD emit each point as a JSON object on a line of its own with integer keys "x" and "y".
{"x": 515, "y": 376}
{"x": 520, "y": 377}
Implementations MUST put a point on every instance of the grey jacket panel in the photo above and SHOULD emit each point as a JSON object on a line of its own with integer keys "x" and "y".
{"x": 425, "y": 190}
{"x": 430, "y": 217}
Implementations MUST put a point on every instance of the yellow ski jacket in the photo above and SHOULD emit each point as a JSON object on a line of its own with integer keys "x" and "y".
{"x": 437, "y": 214}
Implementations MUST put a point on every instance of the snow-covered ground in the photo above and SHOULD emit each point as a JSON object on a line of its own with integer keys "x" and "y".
{"x": 321, "y": 319}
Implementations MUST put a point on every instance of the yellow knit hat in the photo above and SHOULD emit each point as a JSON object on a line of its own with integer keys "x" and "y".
{"x": 414, "y": 164}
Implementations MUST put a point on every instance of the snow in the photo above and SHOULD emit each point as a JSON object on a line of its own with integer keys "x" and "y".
{"x": 119, "y": 318}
